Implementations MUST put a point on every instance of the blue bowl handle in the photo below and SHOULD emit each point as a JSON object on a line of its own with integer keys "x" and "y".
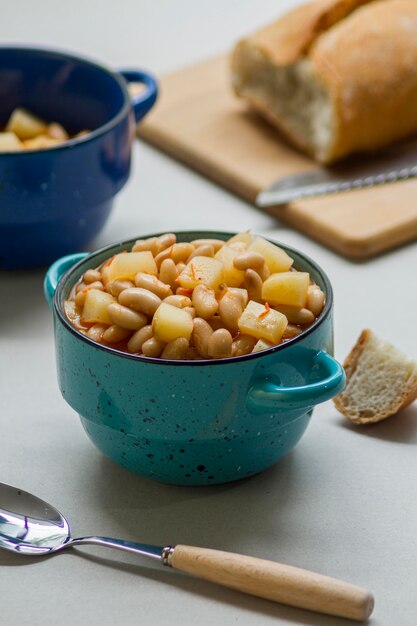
{"x": 56, "y": 271}
{"x": 266, "y": 396}
{"x": 143, "y": 102}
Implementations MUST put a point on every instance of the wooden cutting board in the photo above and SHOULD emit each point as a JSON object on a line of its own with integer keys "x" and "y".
{"x": 199, "y": 121}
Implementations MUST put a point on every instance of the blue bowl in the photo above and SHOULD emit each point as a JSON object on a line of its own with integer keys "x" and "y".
{"x": 54, "y": 201}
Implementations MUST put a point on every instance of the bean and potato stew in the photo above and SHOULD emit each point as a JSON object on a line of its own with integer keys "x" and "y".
{"x": 204, "y": 299}
{"x": 25, "y": 131}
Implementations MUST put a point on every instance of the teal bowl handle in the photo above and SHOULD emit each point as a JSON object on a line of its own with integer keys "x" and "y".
{"x": 56, "y": 271}
{"x": 265, "y": 395}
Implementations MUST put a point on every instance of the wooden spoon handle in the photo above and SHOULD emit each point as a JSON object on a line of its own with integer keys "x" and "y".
{"x": 274, "y": 581}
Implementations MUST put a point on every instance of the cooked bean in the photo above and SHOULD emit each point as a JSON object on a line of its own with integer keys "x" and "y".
{"x": 204, "y": 301}
{"x": 115, "y": 334}
{"x": 115, "y": 287}
{"x": 216, "y": 243}
{"x": 163, "y": 242}
{"x": 205, "y": 249}
{"x": 191, "y": 354}
{"x": 296, "y": 315}
{"x": 147, "y": 281}
{"x": 91, "y": 276}
{"x": 134, "y": 345}
{"x": 220, "y": 344}
{"x": 162, "y": 256}
{"x": 104, "y": 271}
{"x": 315, "y": 300}
{"x": 264, "y": 272}
{"x": 242, "y": 294}
{"x": 291, "y": 331}
{"x": 96, "y": 332}
{"x": 141, "y": 300}
{"x": 230, "y": 309}
{"x": 180, "y": 252}
{"x": 201, "y": 334}
{"x": 190, "y": 310}
{"x": 175, "y": 349}
{"x": 145, "y": 245}
{"x": 243, "y": 344}
{"x": 216, "y": 322}
{"x": 253, "y": 283}
{"x": 180, "y": 266}
{"x": 249, "y": 260}
{"x": 125, "y": 317}
{"x": 179, "y": 301}
{"x": 168, "y": 273}
{"x": 153, "y": 347}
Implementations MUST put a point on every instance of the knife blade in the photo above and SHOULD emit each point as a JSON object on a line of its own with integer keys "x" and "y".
{"x": 389, "y": 166}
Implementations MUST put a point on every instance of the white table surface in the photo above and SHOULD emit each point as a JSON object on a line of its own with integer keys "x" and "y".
{"x": 343, "y": 503}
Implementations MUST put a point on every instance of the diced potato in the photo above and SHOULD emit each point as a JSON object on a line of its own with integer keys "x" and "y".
{"x": 170, "y": 322}
{"x": 40, "y": 142}
{"x": 25, "y": 124}
{"x": 261, "y": 344}
{"x": 95, "y": 307}
{"x": 9, "y": 142}
{"x": 232, "y": 276}
{"x": 126, "y": 265}
{"x": 262, "y": 323}
{"x": 286, "y": 288}
{"x": 202, "y": 269}
{"x": 244, "y": 237}
{"x": 276, "y": 259}
{"x": 56, "y": 131}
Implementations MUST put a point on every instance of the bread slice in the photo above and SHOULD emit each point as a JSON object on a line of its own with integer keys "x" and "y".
{"x": 335, "y": 76}
{"x": 381, "y": 380}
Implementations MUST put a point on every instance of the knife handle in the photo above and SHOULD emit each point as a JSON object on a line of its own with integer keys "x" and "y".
{"x": 273, "y": 581}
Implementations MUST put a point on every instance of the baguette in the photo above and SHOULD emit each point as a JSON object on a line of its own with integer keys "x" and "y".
{"x": 334, "y": 76}
{"x": 381, "y": 380}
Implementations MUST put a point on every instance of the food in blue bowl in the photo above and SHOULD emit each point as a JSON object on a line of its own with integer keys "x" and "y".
{"x": 55, "y": 200}
{"x": 194, "y": 358}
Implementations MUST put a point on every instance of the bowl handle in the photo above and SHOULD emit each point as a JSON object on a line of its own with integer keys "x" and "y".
{"x": 267, "y": 396}
{"x": 144, "y": 101}
{"x": 56, "y": 271}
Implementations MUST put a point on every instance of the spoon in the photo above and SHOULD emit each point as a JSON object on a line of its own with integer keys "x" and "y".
{"x": 32, "y": 527}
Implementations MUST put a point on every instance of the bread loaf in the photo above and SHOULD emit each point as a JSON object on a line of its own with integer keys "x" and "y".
{"x": 381, "y": 380}
{"x": 335, "y": 76}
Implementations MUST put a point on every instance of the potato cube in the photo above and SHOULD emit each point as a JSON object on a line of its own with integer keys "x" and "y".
{"x": 202, "y": 269}
{"x": 286, "y": 288}
{"x": 95, "y": 307}
{"x": 170, "y": 323}
{"x": 40, "y": 143}
{"x": 9, "y": 142}
{"x": 261, "y": 322}
{"x": 276, "y": 259}
{"x": 232, "y": 276}
{"x": 25, "y": 125}
{"x": 261, "y": 344}
{"x": 126, "y": 265}
{"x": 245, "y": 237}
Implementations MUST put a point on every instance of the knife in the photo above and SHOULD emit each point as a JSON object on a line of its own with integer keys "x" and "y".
{"x": 358, "y": 172}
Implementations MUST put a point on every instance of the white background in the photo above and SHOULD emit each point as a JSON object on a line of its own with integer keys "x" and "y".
{"x": 343, "y": 503}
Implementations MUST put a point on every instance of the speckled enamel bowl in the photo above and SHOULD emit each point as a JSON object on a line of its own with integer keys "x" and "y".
{"x": 192, "y": 422}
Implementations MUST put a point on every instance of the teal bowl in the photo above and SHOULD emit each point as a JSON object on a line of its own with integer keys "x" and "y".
{"x": 193, "y": 422}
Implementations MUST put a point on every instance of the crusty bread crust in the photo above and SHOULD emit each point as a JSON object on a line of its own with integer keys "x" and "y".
{"x": 289, "y": 37}
{"x": 345, "y": 401}
{"x": 364, "y": 58}
{"x": 368, "y": 63}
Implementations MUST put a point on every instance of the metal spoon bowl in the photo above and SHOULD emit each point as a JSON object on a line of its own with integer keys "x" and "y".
{"x": 32, "y": 527}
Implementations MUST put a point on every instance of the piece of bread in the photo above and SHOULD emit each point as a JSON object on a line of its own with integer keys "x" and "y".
{"x": 335, "y": 76}
{"x": 381, "y": 380}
